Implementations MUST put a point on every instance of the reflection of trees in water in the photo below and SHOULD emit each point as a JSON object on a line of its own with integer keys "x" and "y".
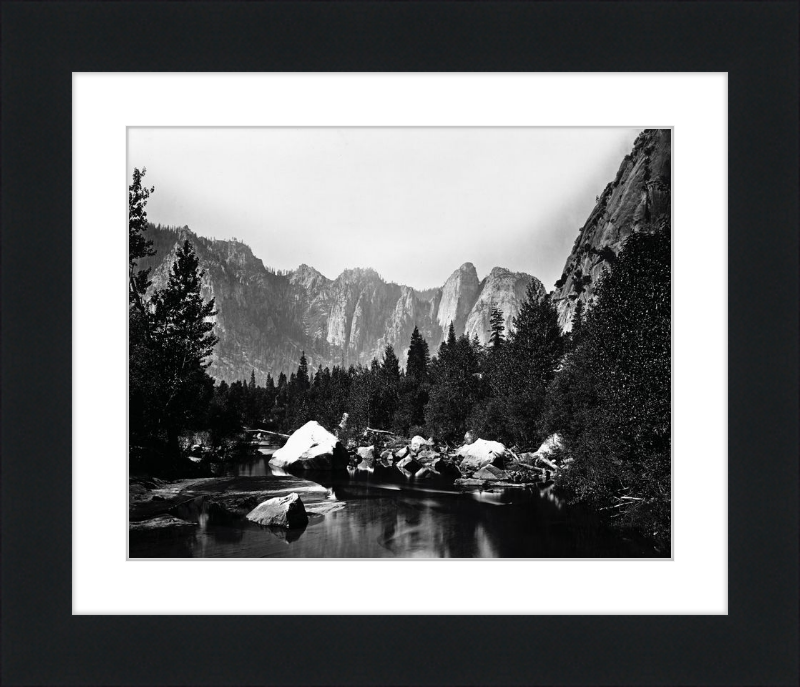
{"x": 379, "y": 522}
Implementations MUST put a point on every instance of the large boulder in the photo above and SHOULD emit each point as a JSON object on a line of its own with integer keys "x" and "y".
{"x": 418, "y": 442}
{"x": 402, "y": 453}
{"x": 312, "y": 447}
{"x": 481, "y": 453}
{"x": 367, "y": 455}
{"x": 282, "y": 511}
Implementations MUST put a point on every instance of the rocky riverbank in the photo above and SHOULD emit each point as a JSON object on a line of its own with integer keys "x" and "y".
{"x": 312, "y": 452}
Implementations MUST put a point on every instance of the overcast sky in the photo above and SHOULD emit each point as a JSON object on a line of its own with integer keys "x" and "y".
{"x": 413, "y": 203}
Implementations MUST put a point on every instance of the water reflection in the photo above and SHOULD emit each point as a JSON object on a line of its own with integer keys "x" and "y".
{"x": 397, "y": 519}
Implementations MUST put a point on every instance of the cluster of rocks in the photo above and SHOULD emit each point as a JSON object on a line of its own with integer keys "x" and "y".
{"x": 419, "y": 459}
{"x": 477, "y": 463}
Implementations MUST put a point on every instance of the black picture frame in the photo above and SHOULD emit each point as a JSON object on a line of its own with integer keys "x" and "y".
{"x": 756, "y": 43}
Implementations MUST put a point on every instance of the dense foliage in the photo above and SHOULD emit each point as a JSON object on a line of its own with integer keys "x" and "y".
{"x": 611, "y": 400}
{"x": 170, "y": 339}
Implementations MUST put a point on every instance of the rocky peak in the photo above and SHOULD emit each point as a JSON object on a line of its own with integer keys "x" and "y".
{"x": 502, "y": 289}
{"x": 356, "y": 275}
{"x": 458, "y": 296}
{"x": 308, "y": 278}
{"x": 633, "y": 201}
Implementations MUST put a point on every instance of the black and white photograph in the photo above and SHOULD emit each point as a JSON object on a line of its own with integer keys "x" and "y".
{"x": 399, "y": 342}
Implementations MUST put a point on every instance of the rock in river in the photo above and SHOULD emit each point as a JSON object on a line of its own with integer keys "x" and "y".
{"x": 367, "y": 455}
{"x": 312, "y": 447}
{"x": 491, "y": 472}
{"x": 162, "y": 522}
{"x": 418, "y": 442}
{"x": 283, "y": 511}
{"x": 481, "y": 453}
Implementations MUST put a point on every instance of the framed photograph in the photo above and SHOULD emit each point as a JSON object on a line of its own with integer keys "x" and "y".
{"x": 413, "y": 325}
{"x": 415, "y": 421}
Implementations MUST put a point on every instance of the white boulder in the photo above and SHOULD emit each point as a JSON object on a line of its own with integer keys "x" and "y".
{"x": 418, "y": 442}
{"x": 312, "y": 447}
{"x": 481, "y": 453}
{"x": 367, "y": 455}
{"x": 282, "y": 511}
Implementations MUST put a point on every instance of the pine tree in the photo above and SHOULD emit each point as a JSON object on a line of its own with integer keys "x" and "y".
{"x": 182, "y": 341}
{"x": 534, "y": 352}
{"x": 577, "y": 322}
{"x": 138, "y": 246}
{"x": 181, "y": 315}
{"x": 413, "y": 387}
{"x": 448, "y": 347}
{"x": 252, "y": 379}
{"x": 455, "y": 389}
{"x": 418, "y": 357}
{"x": 302, "y": 373}
{"x": 391, "y": 365}
{"x": 496, "y": 328}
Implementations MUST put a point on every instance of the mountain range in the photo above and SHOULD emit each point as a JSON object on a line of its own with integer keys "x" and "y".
{"x": 266, "y": 318}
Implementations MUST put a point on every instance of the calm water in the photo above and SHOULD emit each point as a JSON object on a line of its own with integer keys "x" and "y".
{"x": 379, "y": 519}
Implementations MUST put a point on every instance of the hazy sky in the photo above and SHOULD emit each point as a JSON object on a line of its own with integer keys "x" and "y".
{"x": 413, "y": 203}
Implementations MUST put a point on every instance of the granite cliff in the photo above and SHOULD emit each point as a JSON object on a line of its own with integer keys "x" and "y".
{"x": 633, "y": 201}
{"x": 266, "y": 318}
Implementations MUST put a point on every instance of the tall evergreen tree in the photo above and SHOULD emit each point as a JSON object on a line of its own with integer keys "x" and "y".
{"x": 455, "y": 389}
{"x": 418, "y": 356}
{"x": 138, "y": 245}
{"x": 302, "y": 373}
{"x": 534, "y": 352}
{"x": 577, "y": 322}
{"x": 184, "y": 338}
{"x": 390, "y": 365}
{"x": 496, "y": 328}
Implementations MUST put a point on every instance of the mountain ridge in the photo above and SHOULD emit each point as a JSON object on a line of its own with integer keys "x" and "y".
{"x": 266, "y": 318}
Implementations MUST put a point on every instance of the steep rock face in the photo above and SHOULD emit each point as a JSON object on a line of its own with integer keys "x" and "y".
{"x": 502, "y": 289}
{"x": 259, "y": 320}
{"x": 459, "y": 294}
{"x": 638, "y": 195}
{"x": 265, "y": 318}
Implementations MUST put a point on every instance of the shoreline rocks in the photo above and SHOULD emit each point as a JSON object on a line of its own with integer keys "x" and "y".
{"x": 161, "y": 523}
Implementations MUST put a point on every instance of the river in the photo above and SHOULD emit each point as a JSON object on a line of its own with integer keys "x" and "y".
{"x": 358, "y": 516}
